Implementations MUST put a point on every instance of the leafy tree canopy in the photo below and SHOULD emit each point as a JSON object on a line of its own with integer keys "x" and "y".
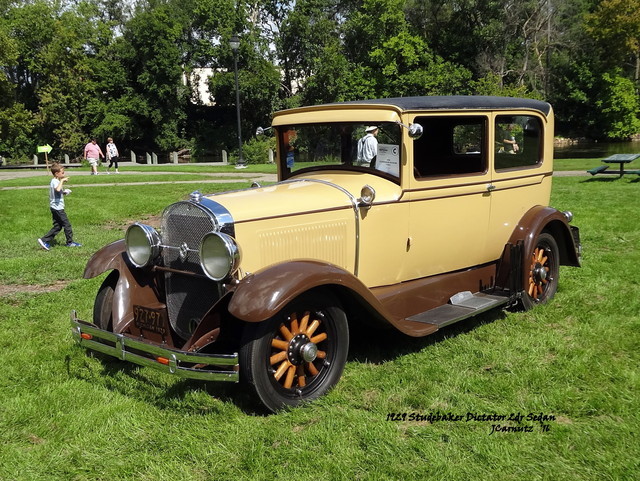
{"x": 129, "y": 70}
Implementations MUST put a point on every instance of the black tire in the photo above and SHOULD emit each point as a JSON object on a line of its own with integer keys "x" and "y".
{"x": 297, "y": 355}
{"x": 541, "y": 272}
{"x": 103, "y": 305}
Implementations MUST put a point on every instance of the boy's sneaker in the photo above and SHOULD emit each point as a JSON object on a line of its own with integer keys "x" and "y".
{"x": 44, "y": 245}
{"x": 74, "y": 244}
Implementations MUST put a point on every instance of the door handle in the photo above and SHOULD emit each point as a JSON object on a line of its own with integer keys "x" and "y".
{"x": 491, "y": 187}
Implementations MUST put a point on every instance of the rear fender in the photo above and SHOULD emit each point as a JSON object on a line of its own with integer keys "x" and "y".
{"x": 539, "y": 219}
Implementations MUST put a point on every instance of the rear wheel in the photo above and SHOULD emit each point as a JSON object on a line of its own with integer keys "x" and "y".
{"x": 297, "y": 355}
{"x": 541, "y": 271}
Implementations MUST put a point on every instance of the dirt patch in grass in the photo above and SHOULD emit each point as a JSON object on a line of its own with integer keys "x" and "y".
{"x": 151, "y": 220}
{"x": 13, "y": 289}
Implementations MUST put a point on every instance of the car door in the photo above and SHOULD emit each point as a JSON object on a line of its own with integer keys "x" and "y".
{"x": 521, "y": 171}
{"x": 449, "y": 195}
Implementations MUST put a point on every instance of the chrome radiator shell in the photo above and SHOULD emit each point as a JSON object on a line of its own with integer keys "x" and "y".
{"x": 189, "y": 297}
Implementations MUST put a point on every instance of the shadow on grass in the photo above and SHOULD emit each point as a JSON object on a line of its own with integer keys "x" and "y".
{"x": 366, "y": 345}
{"x": 613, "y": 178}
{"x": 601, "y": 179}
{"x": 174, "y": 394}
{"x": 384, "y": 345}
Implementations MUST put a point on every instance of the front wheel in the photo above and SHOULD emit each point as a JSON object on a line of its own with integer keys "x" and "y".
{"x": 541, "y": 271}
{"x": 103, "y": 305}
{"x": 297, "y": 355}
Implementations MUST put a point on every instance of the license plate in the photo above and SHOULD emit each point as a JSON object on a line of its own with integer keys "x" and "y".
{"x": 149, "y": 319}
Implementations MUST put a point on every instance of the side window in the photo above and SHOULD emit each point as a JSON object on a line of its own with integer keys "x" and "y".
{"x": 518, "y": 141}
{"x": 450, "y": 146}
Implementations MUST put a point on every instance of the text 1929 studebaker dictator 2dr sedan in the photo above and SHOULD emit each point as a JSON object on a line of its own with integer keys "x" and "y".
{"x": 412, "y": 212}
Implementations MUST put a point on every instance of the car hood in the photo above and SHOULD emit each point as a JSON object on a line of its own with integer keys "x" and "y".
{"x": 303, "y": 195}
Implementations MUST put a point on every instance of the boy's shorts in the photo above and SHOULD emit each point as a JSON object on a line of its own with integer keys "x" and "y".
{"x": 92, "y": 162}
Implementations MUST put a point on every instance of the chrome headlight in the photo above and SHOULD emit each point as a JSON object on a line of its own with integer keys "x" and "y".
{"x": 219, "y": 255}
{"x": 142, "y": 243}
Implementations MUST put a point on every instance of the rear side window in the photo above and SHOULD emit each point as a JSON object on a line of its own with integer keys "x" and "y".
{"x": 450, "y": 146}
{"x": 518, "y": 141}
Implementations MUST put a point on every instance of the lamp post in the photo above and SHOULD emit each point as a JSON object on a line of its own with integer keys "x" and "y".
{"x": 234, "y": 43}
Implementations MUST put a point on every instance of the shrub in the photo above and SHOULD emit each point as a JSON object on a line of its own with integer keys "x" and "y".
{"x": 256, "y": 150}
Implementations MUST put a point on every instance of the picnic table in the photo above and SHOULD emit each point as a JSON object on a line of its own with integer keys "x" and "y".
{"x": 620, "y": 159}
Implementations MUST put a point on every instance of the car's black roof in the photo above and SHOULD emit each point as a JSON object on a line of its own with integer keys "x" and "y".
{"x": 460, "y": 102}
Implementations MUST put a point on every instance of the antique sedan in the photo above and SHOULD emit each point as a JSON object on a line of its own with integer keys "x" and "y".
{"x": 408, "y": 212}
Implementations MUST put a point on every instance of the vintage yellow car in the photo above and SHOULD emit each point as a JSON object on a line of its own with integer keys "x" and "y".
{"x": 408, "y": 212}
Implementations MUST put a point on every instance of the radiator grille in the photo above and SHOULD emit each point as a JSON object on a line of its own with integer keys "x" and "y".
{"x": 188, "y": 298}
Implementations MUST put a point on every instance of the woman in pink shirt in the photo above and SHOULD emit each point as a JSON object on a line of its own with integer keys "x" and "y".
{"x": 92, "y": 153}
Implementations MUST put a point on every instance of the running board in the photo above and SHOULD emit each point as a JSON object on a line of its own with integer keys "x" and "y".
{"x": 461, "y": 306}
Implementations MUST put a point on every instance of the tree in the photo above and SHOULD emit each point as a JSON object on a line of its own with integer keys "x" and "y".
{"x": 70, "y": 69}
{"x": 618, "y": 107}
{"x": 616, "y": 25}
{"x": 259, "y": 82}
{"x": 48, "y": 72}
{"x": 508, "y": 40}
{"x": 371, "y": 52}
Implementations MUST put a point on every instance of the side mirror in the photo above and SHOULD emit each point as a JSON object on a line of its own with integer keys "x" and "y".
{"x": 261, "y": 130}
{"x": 415, "y": 130}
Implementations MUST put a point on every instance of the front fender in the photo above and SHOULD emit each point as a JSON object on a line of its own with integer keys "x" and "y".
{"x": 110, "y": 257}
{"x": 134, "y": 286}
{"x": 263, "y": 294}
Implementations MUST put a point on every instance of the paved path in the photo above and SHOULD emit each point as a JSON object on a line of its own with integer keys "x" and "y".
{"x": 570, "y": 173}
{"x": 216, "y": 177}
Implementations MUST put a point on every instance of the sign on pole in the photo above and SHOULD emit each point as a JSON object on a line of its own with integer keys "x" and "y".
{"x": 46, "y": 149}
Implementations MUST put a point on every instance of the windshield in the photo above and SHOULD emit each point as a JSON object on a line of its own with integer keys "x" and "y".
{"x": 344, "y": 146}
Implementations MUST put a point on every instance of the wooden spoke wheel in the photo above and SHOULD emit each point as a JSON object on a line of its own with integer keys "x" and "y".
{"x": 541, "y": 272}
{"x": 297, "y": 355}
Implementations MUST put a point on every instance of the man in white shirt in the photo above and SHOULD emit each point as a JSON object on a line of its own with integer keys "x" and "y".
{"x": 368, "y": 146}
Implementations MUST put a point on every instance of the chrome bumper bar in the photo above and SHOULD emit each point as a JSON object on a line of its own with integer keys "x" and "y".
{"x": 164, "y": 359}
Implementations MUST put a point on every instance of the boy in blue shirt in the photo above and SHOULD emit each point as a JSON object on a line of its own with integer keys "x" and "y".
{"x": 56, "y": 204}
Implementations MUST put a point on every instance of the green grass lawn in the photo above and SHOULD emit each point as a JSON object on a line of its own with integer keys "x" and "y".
{"x": 65, "y": 415}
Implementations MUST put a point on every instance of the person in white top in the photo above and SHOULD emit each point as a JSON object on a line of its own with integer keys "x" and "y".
{"x": 368, "y": 146}
{"x": 112, "y": 155}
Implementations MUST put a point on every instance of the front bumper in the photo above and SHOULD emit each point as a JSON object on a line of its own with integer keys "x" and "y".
{"x": 184, "y": 364}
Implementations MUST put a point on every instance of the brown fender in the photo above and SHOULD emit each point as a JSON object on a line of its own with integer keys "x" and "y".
{"x": 263, "y": 294}
{"x": 540, "y": 218}
{"x": 134, "y": 286}
{"x": 110, "y": 257}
